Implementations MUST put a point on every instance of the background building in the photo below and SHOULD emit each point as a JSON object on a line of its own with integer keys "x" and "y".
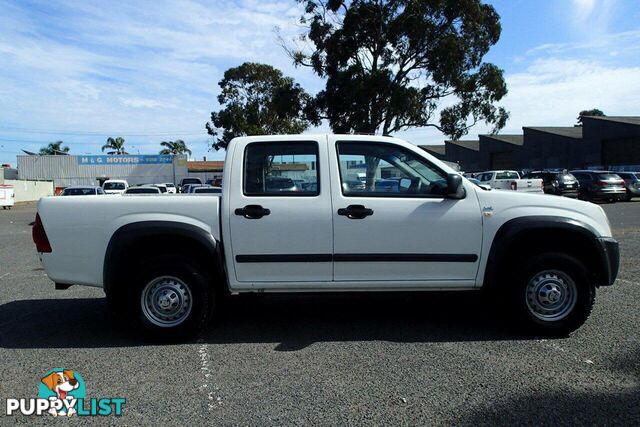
{"x": 92, "y": 170}
{"x": 601, "y": 142}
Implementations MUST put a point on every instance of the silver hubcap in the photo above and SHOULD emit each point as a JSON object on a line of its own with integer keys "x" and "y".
{"x": 551, "y": 295}
{"x": 166, "y": 301}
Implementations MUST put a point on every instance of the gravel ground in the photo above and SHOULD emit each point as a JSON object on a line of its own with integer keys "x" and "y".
{"x": 329, "y": 360}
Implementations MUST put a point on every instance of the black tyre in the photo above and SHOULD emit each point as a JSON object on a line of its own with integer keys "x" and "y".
{"x": 172, "y": 299}
{"x": 553, "y": 295}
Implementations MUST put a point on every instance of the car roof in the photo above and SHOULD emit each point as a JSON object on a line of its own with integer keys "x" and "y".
{"x": 93, "y": 187}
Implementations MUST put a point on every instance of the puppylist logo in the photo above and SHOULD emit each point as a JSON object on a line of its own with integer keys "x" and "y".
{"x": 62, "y": 392}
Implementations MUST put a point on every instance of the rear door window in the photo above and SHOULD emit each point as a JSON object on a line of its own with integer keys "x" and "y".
{"x": 281, "y": 169}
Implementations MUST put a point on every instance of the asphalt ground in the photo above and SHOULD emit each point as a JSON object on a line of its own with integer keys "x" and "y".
{"x": 326, "y": 360}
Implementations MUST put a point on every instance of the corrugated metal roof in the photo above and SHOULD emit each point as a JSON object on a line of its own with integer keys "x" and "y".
{"x": 469, "y": 144}
{"x": 509, "y": 139}
{"x": 201, "y": 166}
{"x": 438, "y": 149}
{"x": 567, "y": 131}
{"x": 630, "y": 120}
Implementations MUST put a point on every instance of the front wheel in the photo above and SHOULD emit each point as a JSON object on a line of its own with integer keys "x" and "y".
{"x": 553, "y": 295}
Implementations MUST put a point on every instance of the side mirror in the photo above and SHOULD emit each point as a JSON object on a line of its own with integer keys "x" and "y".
{"x": 455, "y": 189}
{"x": 404, "y": 184}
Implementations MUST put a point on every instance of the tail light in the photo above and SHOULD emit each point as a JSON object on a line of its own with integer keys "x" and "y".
{"x": 40, "y": 236}
{"x": 514, "y": 185}
{"x": 601, "y": 183}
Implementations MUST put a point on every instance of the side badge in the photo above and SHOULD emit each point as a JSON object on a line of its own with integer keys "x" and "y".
{"x": 487, "y": 211}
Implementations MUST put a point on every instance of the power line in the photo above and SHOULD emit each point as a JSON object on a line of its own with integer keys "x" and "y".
{"x": 30, "y": 141}
{"x": 100, "y": 133}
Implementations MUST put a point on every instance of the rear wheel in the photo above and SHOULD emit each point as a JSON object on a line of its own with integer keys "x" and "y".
{"x": 553, "y": 295}
{"x": 172, "y": 299}
{"x": 627, "y": 196}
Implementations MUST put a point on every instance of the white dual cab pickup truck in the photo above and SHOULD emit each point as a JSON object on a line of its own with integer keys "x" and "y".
{"x": 510, "y": 180}
{"x": 296, "y": 215}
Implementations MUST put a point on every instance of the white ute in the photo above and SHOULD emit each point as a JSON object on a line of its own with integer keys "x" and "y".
{"x": 510, "y": 180}
{"x": 297, "y": 215}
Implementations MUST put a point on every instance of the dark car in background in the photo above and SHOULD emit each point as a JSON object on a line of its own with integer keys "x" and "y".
{"x": 560, "y": 183}
{"x": 79, "y": 190}
{"x": 631, "y": 183}
{"x": 600, "y": 185}
{"x": 188, "y": 181}
{"x": 276, "y": 184}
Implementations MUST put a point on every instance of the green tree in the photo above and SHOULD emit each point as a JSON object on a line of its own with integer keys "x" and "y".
{"x": 174, "y": 147}
{"x": 54, "y": 149}
{"x": 257, "y": 100}
{"x": 595, "y": 112}
{"x": 389, "y": 64}
{"x": 116, "y": 145}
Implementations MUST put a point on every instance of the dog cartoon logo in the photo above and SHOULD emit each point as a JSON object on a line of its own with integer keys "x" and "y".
{"x": 63, "y": 387}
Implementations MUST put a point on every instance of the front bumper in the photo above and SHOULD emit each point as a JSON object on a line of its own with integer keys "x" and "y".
{"x": 610, "y": 254}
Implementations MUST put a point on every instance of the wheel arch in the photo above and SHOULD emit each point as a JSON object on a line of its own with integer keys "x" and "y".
{"x": 523, "y": 237}
{"x": 133, "y": 242}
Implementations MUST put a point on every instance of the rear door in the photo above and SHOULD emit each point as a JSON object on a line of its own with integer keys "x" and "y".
{"x": 279, "y": 212}
{"x": 404, "y": 235}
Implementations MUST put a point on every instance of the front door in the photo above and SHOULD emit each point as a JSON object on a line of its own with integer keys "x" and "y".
{"x": 280, "y": 213}
{"x": 393, "y": 224}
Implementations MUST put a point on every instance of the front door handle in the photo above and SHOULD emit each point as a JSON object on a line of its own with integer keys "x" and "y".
{"x": 252, "y": 211}
{"x": 355, "y": 212}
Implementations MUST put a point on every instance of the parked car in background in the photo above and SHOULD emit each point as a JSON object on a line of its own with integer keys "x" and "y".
{"x": 115, "y": 186}
{"x": 144, "y": 189}
{"x": 631, "y": 183}
{"x": 188, "y": 181}
{"x": 281, "y": 184}
{"x": 558, "y": 183}
{"x": 190, "y": 188}
{"x": 353, "y": 185}
{"x": 600, "y": 185}
{"x": 510, "y": 180}
{"x": 171, "y": 187}
{"x": 161, "y": 187}
{"x": 80, "y": 190}
{"x": 479, "y": 184}
{"x": 207, "y": 189}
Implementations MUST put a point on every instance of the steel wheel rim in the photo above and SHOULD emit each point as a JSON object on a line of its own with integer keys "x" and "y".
{"x": 166, "y": 301}
{"x": 551, "y": 295}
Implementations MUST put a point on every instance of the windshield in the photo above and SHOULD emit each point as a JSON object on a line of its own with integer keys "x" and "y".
{"x": 507, "y": 175}
{"x": 280, "y": 184}
{"x": 114, "y": 185}
{"x": 78, "y": 192}
{"x": 142, "y": 191}
{"x": 207, "y": 190}
{"x": 608, "y": 177}
{"x": 187, "y": 181}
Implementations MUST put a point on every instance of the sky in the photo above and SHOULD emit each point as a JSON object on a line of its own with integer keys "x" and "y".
{"x": 81, "y": 70}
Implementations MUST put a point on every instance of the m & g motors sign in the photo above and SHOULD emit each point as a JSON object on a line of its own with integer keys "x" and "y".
{"x": 124, "y": 160}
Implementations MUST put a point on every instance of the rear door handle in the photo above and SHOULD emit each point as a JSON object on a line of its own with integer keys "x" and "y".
{"x": 252, "y": 211}
{"x": 355, "y": 212}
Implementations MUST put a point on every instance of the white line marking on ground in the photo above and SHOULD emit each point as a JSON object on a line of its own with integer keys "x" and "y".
{"x": 4, "y": 275}
{"x": 206, "y": 387}
{"x": 555, "y": 346}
